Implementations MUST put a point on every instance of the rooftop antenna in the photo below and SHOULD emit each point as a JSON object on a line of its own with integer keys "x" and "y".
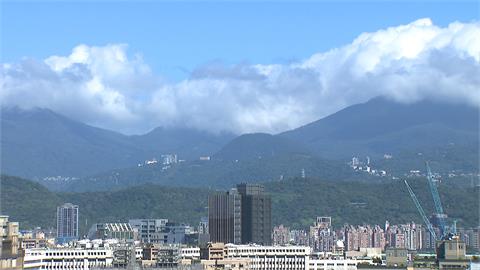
{"x": 454, "y": 227}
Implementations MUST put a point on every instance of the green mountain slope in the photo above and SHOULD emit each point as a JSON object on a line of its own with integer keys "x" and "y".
{"x": 42, "y": 143}
{"x": 38, "y": 143}
{"x": 296, "y": 202}
{"x": 33, "y": 205}
{"x": 259, "y": 145}
{"x": 215, "y": 173}
{"x": 28, "y": 202}
{"x": 381, "y": 126}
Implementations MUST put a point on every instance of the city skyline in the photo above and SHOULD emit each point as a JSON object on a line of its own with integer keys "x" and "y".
{"x": 240, "y": 135}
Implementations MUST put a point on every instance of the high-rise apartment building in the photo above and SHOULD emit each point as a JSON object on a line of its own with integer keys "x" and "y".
{"x": 256, "y": 214}
{"x": 67, "y": 223}
{"x": 225, "y": 217}
{"x": 241, "y": 215}
{"x": 281, "y": 236}
{"x": 322, "y": 236}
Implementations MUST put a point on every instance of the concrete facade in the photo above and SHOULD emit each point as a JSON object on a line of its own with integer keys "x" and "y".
{"x": 67, "y": 223}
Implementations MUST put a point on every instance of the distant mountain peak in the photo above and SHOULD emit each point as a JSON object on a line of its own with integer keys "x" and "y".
{"x": 386, "y": 125}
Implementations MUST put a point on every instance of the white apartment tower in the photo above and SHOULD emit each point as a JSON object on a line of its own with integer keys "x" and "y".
{"x": 67, "y": 223}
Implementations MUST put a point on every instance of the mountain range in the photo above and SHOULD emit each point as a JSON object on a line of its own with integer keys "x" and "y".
{"x": 40, "y": 143}
{"x": 383, "y": 126}
{"x": 295, "y": 202}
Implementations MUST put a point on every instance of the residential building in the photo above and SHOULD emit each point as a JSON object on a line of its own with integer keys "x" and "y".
{"x": 323, "y": 222}
{"x": 281, "y": 236}
{"x": 35, "y": 239}
{"x": 67, "y": 223}
{"x": 192, "y": 253}
{"x": 203, "y": 234}
{"x": 10, "y": 252}
{"x": 471, "y": 237}
{"x": 322, "y": 237}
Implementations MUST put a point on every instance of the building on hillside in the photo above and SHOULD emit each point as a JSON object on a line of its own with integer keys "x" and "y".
{"x": 67, "y": 223}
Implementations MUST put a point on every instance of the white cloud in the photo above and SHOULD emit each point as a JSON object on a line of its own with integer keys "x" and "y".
{"x": 104, "y": 86}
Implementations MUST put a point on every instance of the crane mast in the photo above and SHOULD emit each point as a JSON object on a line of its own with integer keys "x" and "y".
{"x": 420, "y": 210}
{"x": 436, "y": 199}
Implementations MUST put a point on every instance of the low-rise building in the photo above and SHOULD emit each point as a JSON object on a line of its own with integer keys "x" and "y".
{"x": 190, "y": 253}
{"x": 396, "y": 257}
{"x": 122, "y": 231}
{"x": 451, "y": 254}
{"x": 257, "y": 257}
{"x": 10, "y": 252}
{"x": 67, "y": 258}
{"x": 148, "y": 229}
{"x": 161, "y": 231}
{"x": 332, "y": 264}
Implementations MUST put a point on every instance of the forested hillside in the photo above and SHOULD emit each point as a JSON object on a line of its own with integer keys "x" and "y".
{"x": 296, "y": 202}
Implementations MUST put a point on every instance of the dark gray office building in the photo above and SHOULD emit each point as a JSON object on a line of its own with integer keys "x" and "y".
{"x": 240, "y": 216}
{"x": 224, "y": 217}
{"x": 256, "y": 214}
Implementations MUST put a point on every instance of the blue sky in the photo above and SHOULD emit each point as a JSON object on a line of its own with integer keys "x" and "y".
{"x": 233, "y": 66}
{"x": 174, "y": 38}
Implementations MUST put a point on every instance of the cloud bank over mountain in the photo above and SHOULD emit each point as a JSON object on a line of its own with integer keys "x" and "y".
{"x": 107, "y": 87}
